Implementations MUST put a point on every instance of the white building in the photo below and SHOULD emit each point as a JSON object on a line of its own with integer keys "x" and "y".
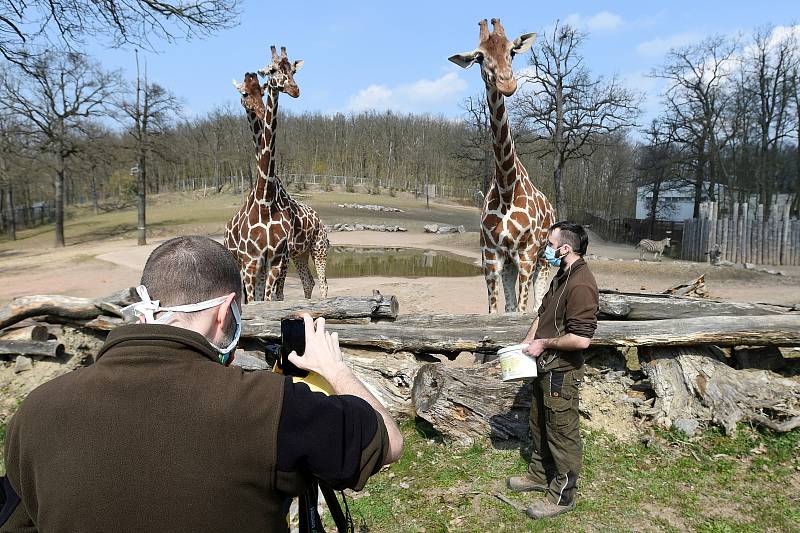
{"x": 675, "y": 201}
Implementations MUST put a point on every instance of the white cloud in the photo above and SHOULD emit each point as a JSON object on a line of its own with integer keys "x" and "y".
{"x": 660, "y": 46}
{"x": 603, "y": 21}
{"x": 779, "y": 33}
{"x": 420, "y": 96}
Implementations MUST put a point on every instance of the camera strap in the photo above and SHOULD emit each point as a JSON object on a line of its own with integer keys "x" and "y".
{"x": 310, "y": 521}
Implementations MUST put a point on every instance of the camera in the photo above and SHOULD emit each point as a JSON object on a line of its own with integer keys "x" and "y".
{"x": 293, "y": 339}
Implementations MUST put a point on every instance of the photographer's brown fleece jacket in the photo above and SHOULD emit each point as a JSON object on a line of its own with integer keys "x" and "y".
{"x": 158, "y": 436}
{"x": 570, "y": 306}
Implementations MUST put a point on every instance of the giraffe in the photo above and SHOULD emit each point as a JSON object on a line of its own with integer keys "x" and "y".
{"x": 516, "y": 215}
{"x": 271, "y": 227}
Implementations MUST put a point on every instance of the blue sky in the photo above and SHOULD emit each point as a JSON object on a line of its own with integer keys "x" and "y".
{"x": 393, "y": 55}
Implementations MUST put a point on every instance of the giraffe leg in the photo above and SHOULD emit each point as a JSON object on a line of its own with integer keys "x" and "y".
{"x": 491, "y": 272}
{"x": 541, "y": 284}
{"x": 279, "y": 283}
{"x": 301, "y": 263}
{"x": 527, "y": 269}
{"x": 250, "y": 273}
{"x": 320, "y": 255}
{"x": 509, "y": 274}
{"x": 276, "y": 273}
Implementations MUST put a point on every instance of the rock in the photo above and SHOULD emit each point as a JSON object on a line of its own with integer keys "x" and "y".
{"x": 443, "y": 228}
{"x": 372, "y": 207}
{"x": 23, "y": 364}
{"x": 687, "y": 425}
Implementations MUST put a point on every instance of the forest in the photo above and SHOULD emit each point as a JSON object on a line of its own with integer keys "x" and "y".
{"x": 73, "y": 133}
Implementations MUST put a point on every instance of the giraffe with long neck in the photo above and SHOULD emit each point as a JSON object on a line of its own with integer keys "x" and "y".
{"x": 271, "y": 227}
{"x": 516, "y": 215}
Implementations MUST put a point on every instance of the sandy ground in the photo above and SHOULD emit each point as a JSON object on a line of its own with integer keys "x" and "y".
{"x": 100, "y": 268}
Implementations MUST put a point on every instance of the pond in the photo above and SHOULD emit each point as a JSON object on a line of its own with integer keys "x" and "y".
{"x": 356, "y": 261}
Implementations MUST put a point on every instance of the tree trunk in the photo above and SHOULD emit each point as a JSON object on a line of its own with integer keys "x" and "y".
{"x": 630, "y": 306}
{"x": 64, "y": 306}
{"x": 693, "y": 383}
{"x": 95, "y": 199}
{"x": 469, "y": 404}
{"x": 59, "y": 198}
{"x": 12, "y": 219}
{"x": 560, "y": 193}
{"x": 141, "y": 199}
{"x": 37, "y": 332}
{"x": 486, "y": 333}
{"x": 654, "y": 207}
{"x": 41, "y": 348}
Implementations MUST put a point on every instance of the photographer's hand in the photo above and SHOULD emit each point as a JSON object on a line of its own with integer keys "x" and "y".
{"x": 322, "y": 354}
{"x": 324, "y": 357}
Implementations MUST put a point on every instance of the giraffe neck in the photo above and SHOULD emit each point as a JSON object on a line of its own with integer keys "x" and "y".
{"x": 263, "y": 128}
{"x": 271, "y": 120}
{"x": 505, "y": 155}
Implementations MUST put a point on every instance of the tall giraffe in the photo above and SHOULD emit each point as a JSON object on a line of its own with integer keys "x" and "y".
{"x": 516, "y": 215}
{"x": 271, "y": 227}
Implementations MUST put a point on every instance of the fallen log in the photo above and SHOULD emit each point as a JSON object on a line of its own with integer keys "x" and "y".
{"x": 388, "y": 377}
{"x": 468, "y": 404}
{"x": 694, "y": 384}
{"x": 628, "y": 306}
{"x": 375, "y": 307}
{"x": 67, "y": 307}
{"x": 36, "y": 332}
{"x": 695, "y": 287}
{"x": 30, "y": 348}
{"x": 488, "y": 333}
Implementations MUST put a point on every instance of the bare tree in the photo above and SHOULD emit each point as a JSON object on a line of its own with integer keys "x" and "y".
{"x": 9, "y": 150}
{"x": 568, "y": 108}
{"x": 768, "y": 66}
{"x": 795, "y": 94}
{"x": 27, "y": 26}
{"x": 695, "y": 99}
{"x": 152, "y": 112}
{"x": 657, "y": 165}
{"x": 55, "y": 96}
{"x": 476, "y": 145}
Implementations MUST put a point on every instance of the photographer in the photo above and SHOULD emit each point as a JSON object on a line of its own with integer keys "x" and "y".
{"x": 161, "y": 434}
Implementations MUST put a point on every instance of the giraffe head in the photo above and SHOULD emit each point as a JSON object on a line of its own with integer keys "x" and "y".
{"x": 494, "y": 54}
{"x": 252, "y": 93}
{"x": 280, "y": 73}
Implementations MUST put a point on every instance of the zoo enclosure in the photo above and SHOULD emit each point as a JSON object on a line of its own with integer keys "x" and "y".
{"x": 747, "y": 236}
{"x": 632, "y": 230}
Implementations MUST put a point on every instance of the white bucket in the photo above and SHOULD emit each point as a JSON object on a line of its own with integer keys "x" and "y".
{"x": 514, "y": 364}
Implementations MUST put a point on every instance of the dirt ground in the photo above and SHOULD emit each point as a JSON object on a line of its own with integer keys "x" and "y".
{"x": 106, "y": 258}
{"x": 94, "y": 269}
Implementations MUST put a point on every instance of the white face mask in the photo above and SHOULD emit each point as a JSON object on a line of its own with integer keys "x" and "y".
{"x": 147, "y": 308}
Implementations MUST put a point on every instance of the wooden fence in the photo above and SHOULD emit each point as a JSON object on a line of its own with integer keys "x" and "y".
{"x": 632, "y": 230}
{"x": 744, "y": 237}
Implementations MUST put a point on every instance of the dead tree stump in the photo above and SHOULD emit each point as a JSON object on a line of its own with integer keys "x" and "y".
{"x": 694, "y": 383}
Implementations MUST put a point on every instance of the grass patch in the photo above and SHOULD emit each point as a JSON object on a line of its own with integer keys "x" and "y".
{"x": 713, "y": 483}
{"x": 191, "y": 212}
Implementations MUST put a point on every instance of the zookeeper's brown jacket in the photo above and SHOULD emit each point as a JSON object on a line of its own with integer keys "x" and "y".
{"x": 156, "y": 435}
{"x": 570, "y": 306}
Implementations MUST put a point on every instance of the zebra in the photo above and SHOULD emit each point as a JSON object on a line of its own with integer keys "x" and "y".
{"x": 657, "y": 247}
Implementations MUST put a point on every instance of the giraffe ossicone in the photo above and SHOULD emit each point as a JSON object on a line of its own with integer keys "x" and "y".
{"x": 516, "y": 216}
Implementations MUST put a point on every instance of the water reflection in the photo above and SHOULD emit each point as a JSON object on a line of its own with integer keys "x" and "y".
{"x": 353, "y": 262}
